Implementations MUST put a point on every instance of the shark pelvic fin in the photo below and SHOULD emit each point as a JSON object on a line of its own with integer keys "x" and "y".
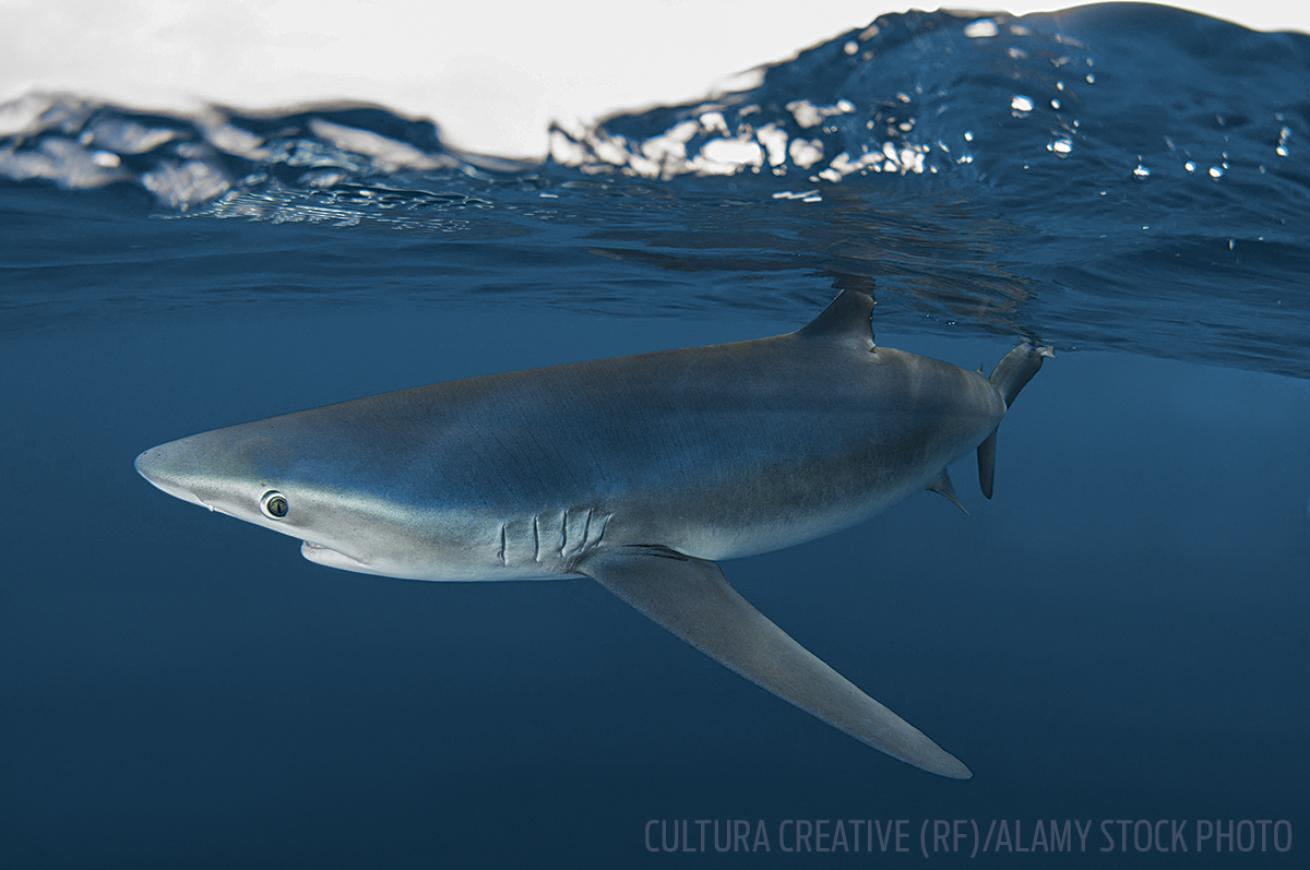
{"x": 943, "y": 487}
{"x": 847, "y": 316}
{"x": 691, "y": 598}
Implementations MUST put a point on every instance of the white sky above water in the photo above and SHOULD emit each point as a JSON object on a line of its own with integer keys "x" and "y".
{"x": 493, "y": 74}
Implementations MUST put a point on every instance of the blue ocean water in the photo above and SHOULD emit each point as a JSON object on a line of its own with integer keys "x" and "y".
{"x": 1119, "y": 634}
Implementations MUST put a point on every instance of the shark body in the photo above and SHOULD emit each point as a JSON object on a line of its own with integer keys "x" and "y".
{"x": 639, "y": 472}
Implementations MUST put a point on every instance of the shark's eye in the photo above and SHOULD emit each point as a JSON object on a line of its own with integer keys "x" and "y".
{"x": 274, "y": 505}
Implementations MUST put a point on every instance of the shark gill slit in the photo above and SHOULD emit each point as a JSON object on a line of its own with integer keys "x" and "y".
{"x": 576, "y": 537}
{"x": 586, "y": 530}
{"x": 536, "y": 540}
{"x": 600, "y": 534}
{"x": 501, "y": 552}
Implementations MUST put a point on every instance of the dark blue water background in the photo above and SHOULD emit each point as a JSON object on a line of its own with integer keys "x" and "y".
{"x": 1121, "y": 633}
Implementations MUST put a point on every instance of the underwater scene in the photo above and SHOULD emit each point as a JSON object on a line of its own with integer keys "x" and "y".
{"x": 1114, "y": 642}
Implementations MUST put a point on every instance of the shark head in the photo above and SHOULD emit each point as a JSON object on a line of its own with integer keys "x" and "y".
{"x": 260, "y": 473}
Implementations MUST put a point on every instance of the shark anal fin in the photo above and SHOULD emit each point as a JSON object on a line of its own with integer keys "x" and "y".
{"x": 847, "y": 316}
{"x": 943, "y": 487}
{"x": 691, "y": 598}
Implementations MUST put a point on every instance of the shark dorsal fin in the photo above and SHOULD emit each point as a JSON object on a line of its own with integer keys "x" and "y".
{"x": 847, "y": 316}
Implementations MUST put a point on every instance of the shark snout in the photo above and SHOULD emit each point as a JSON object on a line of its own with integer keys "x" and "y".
{"x": 167, "y": 468}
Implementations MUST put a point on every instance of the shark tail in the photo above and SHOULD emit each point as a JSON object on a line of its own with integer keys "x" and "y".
{"x": 1010, "y": 376}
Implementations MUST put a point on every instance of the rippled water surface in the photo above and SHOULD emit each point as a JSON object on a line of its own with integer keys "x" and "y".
{"x": 1109, "y": 177}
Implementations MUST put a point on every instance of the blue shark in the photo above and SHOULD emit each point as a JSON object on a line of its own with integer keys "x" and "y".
{"x": 641, "y": 473}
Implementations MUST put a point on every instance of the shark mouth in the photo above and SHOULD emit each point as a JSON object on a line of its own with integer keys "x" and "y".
{"x": 321, "y": 555}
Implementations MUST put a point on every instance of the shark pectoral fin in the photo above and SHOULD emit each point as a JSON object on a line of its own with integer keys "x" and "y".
{"x": 943, "y": 487}
{"x": 691, "y": 598}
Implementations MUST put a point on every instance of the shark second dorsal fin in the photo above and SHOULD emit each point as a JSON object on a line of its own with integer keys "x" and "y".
{"x": 847, "y": 316}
